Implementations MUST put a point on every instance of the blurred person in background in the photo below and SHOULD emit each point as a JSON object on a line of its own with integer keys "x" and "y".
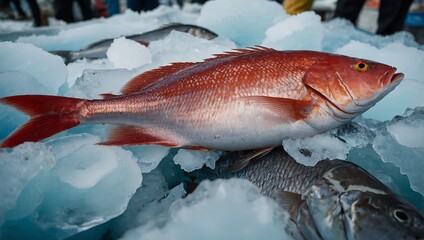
{"x": 35, "y": 10}
{"x": 113, "y": 7}
{"x": 5, "y": 7}
{"x": 391, "y": 13}
{"x": 64, "y": 10}
{"x": 142, "y": 5}
{"x": 100, "y": 9}
{"x": 36, "y": 13}
{"x": 297, "y": 6}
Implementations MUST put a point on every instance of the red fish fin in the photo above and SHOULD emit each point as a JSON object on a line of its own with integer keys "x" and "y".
{"x": 148, "y": 78}
{"x": 49, "y": 115}
{"x": 107, "y": 95}
{"x": 131, "y": 135}
{"x": 144, "y": 43}
{"x": 239, "y": 52}
{"x": 244, "y": 160}
{"x": 291, "y": 108}
{"x": 198, "y": 148}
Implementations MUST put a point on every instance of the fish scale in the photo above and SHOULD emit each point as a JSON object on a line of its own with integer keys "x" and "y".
{"x": 282, "y": 172}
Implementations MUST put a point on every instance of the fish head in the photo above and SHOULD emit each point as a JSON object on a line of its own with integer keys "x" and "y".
{"x": 201, "y": 32}
{"x": 349, "y": 203}
{"x": 382, "y": 215}
{"x": 349, "y": 86}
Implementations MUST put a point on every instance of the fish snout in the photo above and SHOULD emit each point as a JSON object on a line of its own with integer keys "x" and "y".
{"x": 391, "y": 78}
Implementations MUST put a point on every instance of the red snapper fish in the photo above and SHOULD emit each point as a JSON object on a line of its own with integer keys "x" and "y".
{"x": 245, "y": 99}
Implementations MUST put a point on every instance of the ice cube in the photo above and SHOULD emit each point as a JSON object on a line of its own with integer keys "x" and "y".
{"x": 128, "y": 54}
{"x": 235, "y": 209}
{"x": 407, "y": 153}
{"x": 234, "y": 19}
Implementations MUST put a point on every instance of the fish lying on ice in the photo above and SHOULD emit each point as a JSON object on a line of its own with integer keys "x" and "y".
{"x": 332, "y": 200}
{"x": 245, "y": 99}
{"x": 98, "y": 49}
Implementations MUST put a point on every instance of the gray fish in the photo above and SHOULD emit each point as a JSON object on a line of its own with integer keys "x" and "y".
{"x": 98, "y": 49}
{"x": 332, "y": 200}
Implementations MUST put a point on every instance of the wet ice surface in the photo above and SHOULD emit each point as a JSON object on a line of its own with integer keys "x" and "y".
{"x": 401, "y": 140}
{"x": 234, "y": 19}
{"x": 285, "y": 35}
{"x": 68, "y": 186}
{"x": 47, "y": 69}
{"x": 192, "y": 160}
{"x": 63, "y": 187}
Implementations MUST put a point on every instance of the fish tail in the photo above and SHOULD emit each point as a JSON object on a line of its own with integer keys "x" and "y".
{"x": 48, "y": 115}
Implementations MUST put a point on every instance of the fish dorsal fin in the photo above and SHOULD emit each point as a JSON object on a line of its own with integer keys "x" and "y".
{"x": 131, "y": 135}
{"x": 289, "y": 201}
{"x": 148, "y": 78}
{"x": 240, "y": 52}
{"x": 290, "y": 109}
{"x": 107, "y": 95}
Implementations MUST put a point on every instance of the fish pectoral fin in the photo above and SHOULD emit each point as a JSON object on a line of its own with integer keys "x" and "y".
{"x": 244, "y": 159}
{"x": 198, "y": 148}
{"x": 144, "y": 43}
{"x": 148, "y": 78}
{"x": 289, "y": 108}
{"x": 288, "y": 200}
{"x": 132, "y": 135}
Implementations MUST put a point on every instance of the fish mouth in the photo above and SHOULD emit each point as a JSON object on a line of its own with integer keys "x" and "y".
{"x": 390, "y": 77}
{"x": 397, "y": 78}
{"x": 388, "y": 81}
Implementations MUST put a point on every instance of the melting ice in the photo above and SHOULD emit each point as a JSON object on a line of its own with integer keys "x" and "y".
{"x": 244, "y": 214}
{"x": 66, "y": 186}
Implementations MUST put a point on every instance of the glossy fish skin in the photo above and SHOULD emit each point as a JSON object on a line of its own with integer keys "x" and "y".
{"x": 332, "y": 200}
{"x": 246, "y": 99}
{"x": 98, "y": 49}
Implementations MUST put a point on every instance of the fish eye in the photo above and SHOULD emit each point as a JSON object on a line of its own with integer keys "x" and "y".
{"x": 401, "y": 216}
{"x": 360, "y": 66}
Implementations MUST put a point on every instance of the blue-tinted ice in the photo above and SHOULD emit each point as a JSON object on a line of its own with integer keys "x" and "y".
{"x": 66, "y": 186}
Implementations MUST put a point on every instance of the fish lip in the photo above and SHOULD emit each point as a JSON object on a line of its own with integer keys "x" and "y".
{"x": 397, "y": 78}
{"x": 387, "y": 78}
